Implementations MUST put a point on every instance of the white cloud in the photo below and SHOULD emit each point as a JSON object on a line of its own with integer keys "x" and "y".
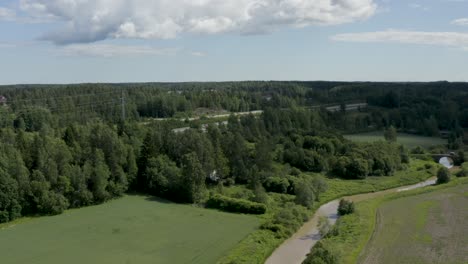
{"x": 418, "y": 6}
{"x": 451, "y": 39}
{"x": 109, "y": 50}
{"x": 460, "y": 22}
{"x": 94, "y": 20}
{"x": 197, "y": 54}
{"x": 7, "y": 14}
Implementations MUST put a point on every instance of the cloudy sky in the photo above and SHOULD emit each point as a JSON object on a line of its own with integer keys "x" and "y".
{"x": 70, "y": 41}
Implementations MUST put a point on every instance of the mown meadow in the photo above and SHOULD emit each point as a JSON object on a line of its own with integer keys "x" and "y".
{"x": 132, "y": 229}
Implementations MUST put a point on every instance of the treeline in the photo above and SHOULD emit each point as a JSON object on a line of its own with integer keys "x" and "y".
{"x": 45, "y": 170}
{"x": 423, "y": 108}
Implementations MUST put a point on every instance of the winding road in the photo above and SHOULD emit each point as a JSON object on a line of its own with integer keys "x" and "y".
{"x": 295, "y": 249}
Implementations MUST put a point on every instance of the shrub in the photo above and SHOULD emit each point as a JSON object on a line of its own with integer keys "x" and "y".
{"x": 260, "y": 196}
{"x": 286, "y": 221}
{"x": 464, "y": 170}
{"x": 276, "y": 184}
{"x": 304, "y": 194}
{"x": 345, "y": 207}
{"x": 321, "y": 254}
{"x": 428, "y": 166}
{"x": 324, "y": 226}
{"x": 443, "y": 176}
{"x": 233, "y": 205}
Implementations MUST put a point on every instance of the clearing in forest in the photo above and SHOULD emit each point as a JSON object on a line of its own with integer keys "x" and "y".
{"x": 133, "y": 229}
{"x": 407, "y": 140}
{"x": 426, "y": 228}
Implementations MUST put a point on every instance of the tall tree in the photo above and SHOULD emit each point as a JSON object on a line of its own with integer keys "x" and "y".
{"x": 193, "y": 178}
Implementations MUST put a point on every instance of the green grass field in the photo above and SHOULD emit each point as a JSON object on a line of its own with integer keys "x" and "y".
{"x": 133, "y": 229}
{"x": 434, "y": 232}
{"x": 407, "y": 140}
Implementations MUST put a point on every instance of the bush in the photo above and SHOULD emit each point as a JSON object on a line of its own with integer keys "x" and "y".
{"x": 324, "y": 226}
{"x": 286, "y": 221}
{"x": 321, "y": 254}
{"x": 260, "y": 196}
{"x": 276, "y": 184}
{"x": 233, "y": 205}
{"x": 304, "y": 194}
{"x": 464, "y": 170}
{"x": 345, "y": 207}
{"x": 443, "y": 176}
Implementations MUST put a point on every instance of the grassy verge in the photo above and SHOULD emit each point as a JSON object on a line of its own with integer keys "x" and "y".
{"x": 259, "y": 245}
{"x": 414, "y": 174}
{"x": 355, "y": 231}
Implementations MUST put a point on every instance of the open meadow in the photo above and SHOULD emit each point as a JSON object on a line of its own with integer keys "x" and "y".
{"x": 425, "y": 228}
{"x": 407, "y": 140}
{"x": 132, "y": 229}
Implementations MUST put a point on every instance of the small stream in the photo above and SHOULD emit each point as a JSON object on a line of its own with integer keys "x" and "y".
{"x": 295, "y": 249}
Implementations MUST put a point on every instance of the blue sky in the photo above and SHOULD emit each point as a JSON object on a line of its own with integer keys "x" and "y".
{"x": 72, "y": 41}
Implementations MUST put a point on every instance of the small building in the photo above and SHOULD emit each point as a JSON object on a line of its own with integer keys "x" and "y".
{"x": 3, "y": 100}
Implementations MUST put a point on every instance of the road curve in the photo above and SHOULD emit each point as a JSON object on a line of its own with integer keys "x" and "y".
{"x": 295, "y": 249}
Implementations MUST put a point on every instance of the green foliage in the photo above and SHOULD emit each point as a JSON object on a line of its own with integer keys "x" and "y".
{"x": 321, "y": 254}
{"x": 277, "y": 184}
{"x": 287, "y": 220}
{"x": 324, "y": 226}
{"x": 305, "y": 195}
{"x": 163, "y": 176}
{"x": 464, "y": 170}
{"x": 443, "y": 175}
{"x": 10, "y": 207}
{"x": 193, "y": 179}
{"x": 345, "y": 207}
{"x": 234, "y": 205}
{"x": 260, "y": 195}
{"x": 390, "y": 134}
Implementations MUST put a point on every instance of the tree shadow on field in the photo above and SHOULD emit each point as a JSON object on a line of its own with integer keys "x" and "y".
{"x": 157, "y": 199}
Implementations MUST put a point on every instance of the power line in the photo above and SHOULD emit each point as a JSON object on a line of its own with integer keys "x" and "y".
{"x": 58, "y": 109}
{"x": 60, "y": 97}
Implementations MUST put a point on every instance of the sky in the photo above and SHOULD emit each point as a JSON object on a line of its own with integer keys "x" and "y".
{"x": 76, "y": 41}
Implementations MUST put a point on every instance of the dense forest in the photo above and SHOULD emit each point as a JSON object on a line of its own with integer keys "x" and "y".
{"x": 68, "y": 146}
